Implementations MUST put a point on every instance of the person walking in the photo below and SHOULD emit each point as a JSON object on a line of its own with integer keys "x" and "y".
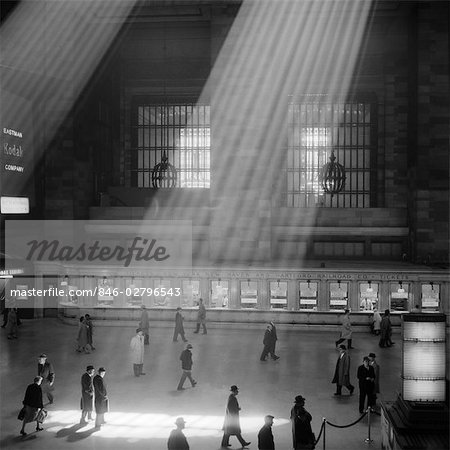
{"x": 12, "y": 324}
{"x": 101, "y": 398}
{"x": 137, "y": 352}
{"x": 186, "y": 367}
{"x": 32, "y": 403}
{"x": 144, "y": 325}
{"x": 342, "y": 372}
{"x": 265, "y": 435}
{"x": 376, "y": 322}
{"x": 386, "y": 330}
{"x": 274, "y": 339}
{"x": 179, "y": 328}
{"x": 90, "y": 330}
{"x": 346, "y": 330}
{"x": 87, "y": 395}
{"x": 302, "y": 435}
{"x": 231, "y": 426}
{"x": 366, "y": 378}
{"x": 46, "y": 371}
{"x": 82, "y": 339}
{"x": 177, "y": 439}
{"x": 376, "y": 369}
{"x": 201, "y": 317}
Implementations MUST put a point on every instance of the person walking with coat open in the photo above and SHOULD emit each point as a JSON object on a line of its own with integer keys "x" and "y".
{"x": 82, "y": 338}
{"x": 90, "y": 330}
{"x": 137, "y": 352}
{"x": 32, "y": 404}
{"x": 179, "y": 328}
{"x": 302, "y": 435}
{"x": 46, "y": 371}
{"x": 201, "y": 317}
{"x": 186, "y": 367}
{"x": 101, "y": 398}
{"x": 342, "y": 372}
{"x": 232, "y": 426}
{"x": 87, "y": 395}
{"x": 346, "y": 330}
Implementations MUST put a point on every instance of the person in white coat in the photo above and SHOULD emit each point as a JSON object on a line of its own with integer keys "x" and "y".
{"x": 346, "y": 330}
{"x": 137, "y": 352}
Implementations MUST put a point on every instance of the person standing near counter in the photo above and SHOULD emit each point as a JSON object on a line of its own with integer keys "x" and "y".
{"x": 179, "y": 328}
{"x": 346, "y": 331}
{"x": 201, "y": 317}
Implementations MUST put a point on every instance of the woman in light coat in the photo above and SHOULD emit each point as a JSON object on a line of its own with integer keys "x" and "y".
{"x": 346, "y": 330}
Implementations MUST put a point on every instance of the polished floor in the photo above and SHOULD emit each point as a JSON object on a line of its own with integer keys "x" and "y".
{"x": 142, "y": 410}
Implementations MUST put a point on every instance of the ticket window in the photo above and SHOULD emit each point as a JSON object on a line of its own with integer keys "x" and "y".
{"x": 163, "y": 292}
{"x": 338, "y": 296}
{"x": 399, "y": 293}
{"x": 135, "y": 292}
{"x": 220, "y": 294}
{"x": 308, "y": 295}
{"x": 190, "y": 293}
{"x": 278, "y": 295}
{"x": 105, "y": 291}
{"x": 249, "y": 294}
{"x": 368, "y": 296}
{"x": 430, "y": 297}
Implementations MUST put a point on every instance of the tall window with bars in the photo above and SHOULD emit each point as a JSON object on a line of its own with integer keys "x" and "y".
{"x": 316, "y": 127}
{"x": 181, "y": 131}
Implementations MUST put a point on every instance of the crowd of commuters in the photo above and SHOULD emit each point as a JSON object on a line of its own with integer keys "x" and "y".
{"x": 94, "y": 394}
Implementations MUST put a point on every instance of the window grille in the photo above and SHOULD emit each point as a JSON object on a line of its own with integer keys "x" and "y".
{"x": 182, "y": 132}
{"x": 316, "y": 126}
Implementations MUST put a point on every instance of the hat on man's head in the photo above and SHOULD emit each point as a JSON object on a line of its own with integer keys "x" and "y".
{"x": 343, "y": 347}
{"x": 102, "y": 369}
{"x": 138, "y": 329}
{"x": 189, "y": 346}
{"x": 42, "y": 355}
{"x": 268, "y": 417}
{"x": 90, "y": 368}
{"x": 372, "y": 355}
{"x": 234, "y": 388}
{"x": 299, "y": 399}
{"x": 179, "y": 308}
{"x": 179, "y": 421}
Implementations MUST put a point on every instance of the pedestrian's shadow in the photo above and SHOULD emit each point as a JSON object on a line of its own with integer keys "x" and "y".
{"x": 63, "y": 432}
{"x": 8, "y": 442}
{"x": 74, "y": 437}
{"x": 176, "y": 392}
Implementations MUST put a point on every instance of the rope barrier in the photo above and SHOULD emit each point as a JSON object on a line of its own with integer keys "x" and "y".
{"x": 320, "y": 432}
{"x": 349, "y": 425}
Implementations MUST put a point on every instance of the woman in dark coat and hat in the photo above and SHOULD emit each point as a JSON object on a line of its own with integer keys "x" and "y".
{"x": 302, "y": 435}
{"x": 32, "y": 404}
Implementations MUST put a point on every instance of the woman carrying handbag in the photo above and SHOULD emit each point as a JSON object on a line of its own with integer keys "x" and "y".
{"x": 34, "y": 408}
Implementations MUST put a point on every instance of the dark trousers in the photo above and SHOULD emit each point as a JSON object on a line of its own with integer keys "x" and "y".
{"x": 178, "y": 332}
{"x": 186, "y": 374}
{"x": 363, "y": 393}
{"x": 198, "y": 327}
{"x": 226, "y": 439}
{"x": 350, "y": 387}
{"x": 146, "y": 339}
{"x": 137, "y": 369}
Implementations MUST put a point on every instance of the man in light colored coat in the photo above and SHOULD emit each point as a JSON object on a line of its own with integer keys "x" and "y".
{"x": 137, "y": 352}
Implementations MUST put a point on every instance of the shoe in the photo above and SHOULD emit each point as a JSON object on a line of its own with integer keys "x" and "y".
{"x": 39, "y": 429}
{"x": 143, "y": 373}
{"x": 185, "y": 340}
{"x": 23, "y": 433}
{"x": 83, "y": 422}
{"x": 351, "y": 390}
{"x": 204, "y": 333}
{"x": 246, "y": 444}
{"x": 174, "y": 340}
{"x": 275, "y": 358}
{"x": 337, "y": 393}
{"x": 351, "y": 348}
{"x": 194, "y": 384}
{"x": 180, "y": 389}
{"x": 263, "y": 360}
{"x": 195, "y": 332}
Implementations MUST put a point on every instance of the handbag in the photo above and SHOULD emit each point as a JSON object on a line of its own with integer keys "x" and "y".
{"x": 42, "y": 415}
{"x": 21, "y": 414}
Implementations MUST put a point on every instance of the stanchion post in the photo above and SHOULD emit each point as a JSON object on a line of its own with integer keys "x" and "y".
{"x": 368, "y": 440}
{"x": 324, "y": 428}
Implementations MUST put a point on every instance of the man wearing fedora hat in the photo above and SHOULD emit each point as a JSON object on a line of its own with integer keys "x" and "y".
{"x": 101, "y": 398}
{"x": 302, "y": 435}
{"x": 231, "y": 425}
{"x": 137, "y": 352}
{"x": 87, "y": 395}
{"x": 376, "y": 369}
{"x": 179, "y": 328}
{"x": 265, "y": 435}
{"x": 186, "y": 367}
{"x": 46, "y": 371}
{"x": 177, "y": 439}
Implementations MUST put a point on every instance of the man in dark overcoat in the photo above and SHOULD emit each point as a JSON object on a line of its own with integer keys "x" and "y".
{"x": 232, "y": 426}
{"x": 366, "y": 378}
{"x": 386, "y": 330}
{"x": 342, "y": 372}
{"x": 186, "y": 367}
{"x": 177, "y": 439}
{"x": 201, "y": 317}
{"x": 267, "y": 342}
{"x": 46, "y": 371}
{"x": 302, "y": 435}
{"x": 265, "y": 435}
{"x": 179, "y": 328}
{"x": 87, "y": 395}
{"x": 274, "y": 339}
{"x": 101, "y": 398}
